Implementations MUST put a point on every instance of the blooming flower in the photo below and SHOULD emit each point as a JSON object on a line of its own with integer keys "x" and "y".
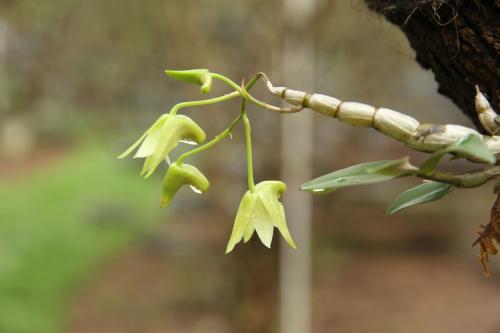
{"x": 179, "y": 174}
{"x": 260, "y": 211}
{"x": 165, "y": 134}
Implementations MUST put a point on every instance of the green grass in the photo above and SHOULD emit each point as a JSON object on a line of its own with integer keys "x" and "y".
{"x": 57, "y": 224}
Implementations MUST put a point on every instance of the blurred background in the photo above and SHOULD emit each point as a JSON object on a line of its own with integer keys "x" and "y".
{"x": 84, "y": 246}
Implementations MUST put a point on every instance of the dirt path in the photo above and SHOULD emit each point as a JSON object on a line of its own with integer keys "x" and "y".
{"x": 407, "y": 294}
{"x": 146, "y": 291}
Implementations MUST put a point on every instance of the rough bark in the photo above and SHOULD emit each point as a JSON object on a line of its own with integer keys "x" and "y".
{"x": 489, "y": 234}
{"x": 459, "y": 40}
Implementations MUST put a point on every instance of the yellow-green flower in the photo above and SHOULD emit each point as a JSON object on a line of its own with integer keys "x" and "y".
{"x": 260, "y": 211}
{"x": 165, "y": 134}
{"x": 179, "y": 174}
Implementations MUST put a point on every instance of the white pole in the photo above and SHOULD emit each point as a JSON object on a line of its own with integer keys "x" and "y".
{"x": 297, "y": 148}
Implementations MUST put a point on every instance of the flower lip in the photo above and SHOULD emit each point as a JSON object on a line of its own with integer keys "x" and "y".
{"x": 179, "y": 174}
{"x": 275, "y": 186}
{"x": 162, "y": 137}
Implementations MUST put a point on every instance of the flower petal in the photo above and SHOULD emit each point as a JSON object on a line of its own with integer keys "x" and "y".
{"x": 242, "y": 220}
{"x": 150, "y": 144}
{"x": 189, "y": 130}
{"x": 283, "y": 228}
{"x": 269, "y": 194}
{"x": 175, "y": 129}
{"x": 248, "y": 232}
{"x": 166, "y": 145}
{"x": 262, "y": 222}
{"x": 133, "y": 146}
{"x": 179, "y": 174}
{"x": 146, "y": 166}
{"x": 148, "y": 131}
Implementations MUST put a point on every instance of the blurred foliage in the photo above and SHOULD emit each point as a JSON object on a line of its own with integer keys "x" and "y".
{"x": 56, "y": 226}
{"x": 94, "y": 69}
{"x": 110, "y": 54}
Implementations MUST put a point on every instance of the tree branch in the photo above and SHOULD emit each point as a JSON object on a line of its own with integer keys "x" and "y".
{"x": 465, "y": 180}
{"x": 459, "y": 40}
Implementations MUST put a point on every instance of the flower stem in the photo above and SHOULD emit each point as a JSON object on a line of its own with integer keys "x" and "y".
{"x": 212, "y": 142}
{"x": 227, "y": 81}
{"x": 243, "y": 91}
{"x": 239, "y": 91}
{"x": 248, "y": 142}
{"x": 223, "y": 98}
{"x": 224, "y": 133}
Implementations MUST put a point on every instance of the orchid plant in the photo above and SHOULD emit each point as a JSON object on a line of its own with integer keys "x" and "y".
{"x": 260, "y": 210}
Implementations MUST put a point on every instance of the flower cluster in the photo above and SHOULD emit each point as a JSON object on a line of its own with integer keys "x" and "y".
{"x": 260, "y": 209}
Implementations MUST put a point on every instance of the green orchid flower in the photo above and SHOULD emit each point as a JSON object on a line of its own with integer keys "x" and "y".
{"x": 200, "y": 77}
{"x": 261, "y": 211}
{"x": 165, "y": 134}
{"x": 179, "y": 174}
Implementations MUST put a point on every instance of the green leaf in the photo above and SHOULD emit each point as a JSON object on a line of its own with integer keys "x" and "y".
{"x": 426, "y": 192}
{"x": 361, "y": 174}
{"x": 471, "y": 147}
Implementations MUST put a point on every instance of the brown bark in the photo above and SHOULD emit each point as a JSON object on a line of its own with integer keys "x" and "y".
{"x": 488, "y": 236}
{"x": 459, "y": 40}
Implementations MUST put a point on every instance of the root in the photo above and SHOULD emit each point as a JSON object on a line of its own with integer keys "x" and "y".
{"x": 488, "y": 236}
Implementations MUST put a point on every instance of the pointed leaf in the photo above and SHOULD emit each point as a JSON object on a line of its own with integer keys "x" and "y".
{"x": 365, "y": 173}
{"x": 471, "y": 146}
{"x": 426, "y": 192}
